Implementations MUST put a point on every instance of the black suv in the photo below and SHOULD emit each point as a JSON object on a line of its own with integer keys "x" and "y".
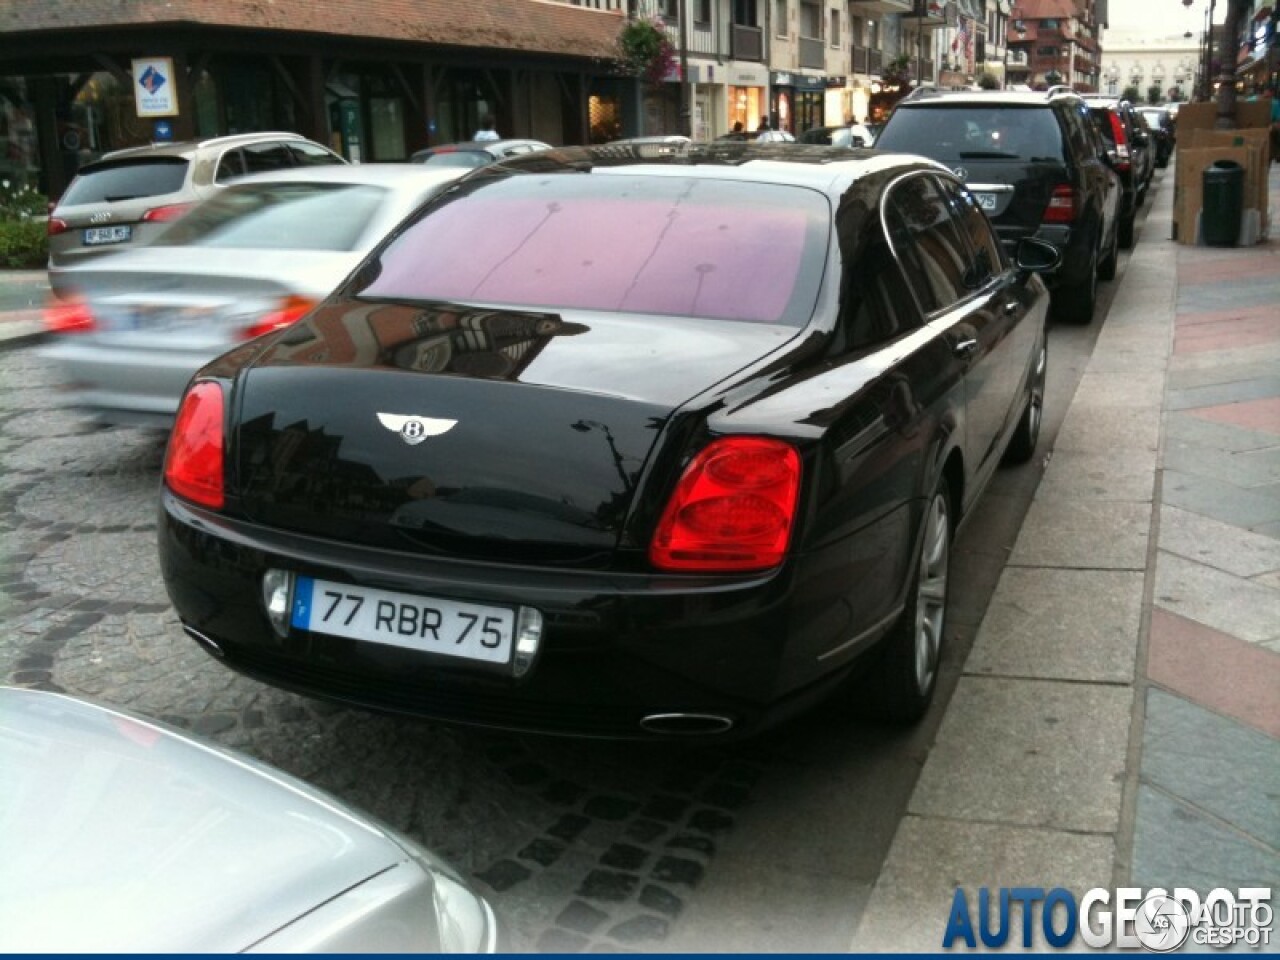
{"x": 1037, "y": 167}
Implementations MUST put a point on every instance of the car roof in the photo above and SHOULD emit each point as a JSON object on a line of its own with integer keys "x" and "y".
{"x": 485, "y": 145}
{"x": 929, "y": 97}
{"x": 372, "y": 174}
{"x": 184, "y": 148}
{"x": 818, "y": 167}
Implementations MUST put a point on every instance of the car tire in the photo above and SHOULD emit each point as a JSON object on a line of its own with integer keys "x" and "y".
{"x": 900, "y": 688}
{"x": 1126, "y": 232}
{"x": 1022, "y": 445}
{"x": 1074, "y": 303}
{"x": 1108, "y": 264}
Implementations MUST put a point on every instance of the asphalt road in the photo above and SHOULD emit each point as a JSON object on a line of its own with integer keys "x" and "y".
{"x": 770, "y": 844}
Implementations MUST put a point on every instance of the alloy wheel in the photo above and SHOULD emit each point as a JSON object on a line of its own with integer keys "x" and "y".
{"x": 931, "y": 591}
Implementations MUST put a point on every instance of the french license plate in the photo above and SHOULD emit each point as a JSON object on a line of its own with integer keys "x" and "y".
{"x": 466, "y": 630}
{"x": 95, "y": 236}
{"x": 987, "y": 201}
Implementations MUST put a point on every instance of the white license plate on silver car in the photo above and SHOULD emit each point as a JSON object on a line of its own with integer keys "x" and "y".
{"x": 94, "y": 236}
{"x": 987, "y": 201}
{"x": 448, "y": 627}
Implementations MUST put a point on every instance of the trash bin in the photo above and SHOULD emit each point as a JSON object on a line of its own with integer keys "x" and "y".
{"x": 1223, "y": 203}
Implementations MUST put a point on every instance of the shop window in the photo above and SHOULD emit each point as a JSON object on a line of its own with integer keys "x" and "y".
{"x": 605, "y": 115}
{"x": 204, "y": 99}
{"x": 19, "y": 150}
{"x": 386, "y": 119}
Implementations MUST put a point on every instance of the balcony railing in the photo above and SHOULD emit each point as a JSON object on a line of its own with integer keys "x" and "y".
{"x": 746, "y": 43}
{"x": 812, "y": 56}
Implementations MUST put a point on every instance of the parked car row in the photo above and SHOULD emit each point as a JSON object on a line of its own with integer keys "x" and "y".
{"x": 1054, "y": 165}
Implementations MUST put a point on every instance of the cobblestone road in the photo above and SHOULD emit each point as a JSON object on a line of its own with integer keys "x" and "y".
{"x": 580, "y": 846}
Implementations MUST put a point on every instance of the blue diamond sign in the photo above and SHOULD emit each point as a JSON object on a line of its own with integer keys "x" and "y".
{"x": 154, "y": 90}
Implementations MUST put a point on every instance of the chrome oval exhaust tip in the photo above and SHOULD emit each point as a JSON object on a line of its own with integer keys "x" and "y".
{"x": 209, "y": 645}
{"x": 687, "y": 724}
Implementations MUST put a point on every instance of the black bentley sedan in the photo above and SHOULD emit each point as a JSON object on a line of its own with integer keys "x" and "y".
{"x": 617, "y": 448}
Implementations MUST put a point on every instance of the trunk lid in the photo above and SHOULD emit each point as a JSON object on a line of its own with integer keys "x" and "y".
{"x": 486, "y": 434}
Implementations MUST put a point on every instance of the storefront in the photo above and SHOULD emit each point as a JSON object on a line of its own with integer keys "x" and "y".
{"x": 797, "y": 101}
{"x": 67, "y": 89}
{"x": 747, "y": 97}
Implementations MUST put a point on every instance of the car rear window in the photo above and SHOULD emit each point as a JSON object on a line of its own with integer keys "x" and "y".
{"x": 627, "y": 243}
{"x": 279, "y": 216}
{"x": 125, "y": 180}
{"x": 965, "y": 133}
{"x": 459, "y": 158}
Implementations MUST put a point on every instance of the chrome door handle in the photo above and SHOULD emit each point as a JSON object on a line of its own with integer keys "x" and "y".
{"x": 965, "y": 348}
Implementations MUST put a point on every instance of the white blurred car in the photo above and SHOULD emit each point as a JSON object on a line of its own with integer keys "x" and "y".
{"x": 124, "y": 835}
{"x": 133, "y": 327}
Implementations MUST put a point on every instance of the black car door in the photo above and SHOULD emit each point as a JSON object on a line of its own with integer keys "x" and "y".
{"x": 970, "y": 304}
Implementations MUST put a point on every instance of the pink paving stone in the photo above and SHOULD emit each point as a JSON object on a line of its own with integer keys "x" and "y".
{"x": 1228, "y": 675}
{"x": 1212, "y": 271}
{"x": 1261, "y": 414}
{"x": 1263, "y": 312}
{"x": 1206, "y": 337}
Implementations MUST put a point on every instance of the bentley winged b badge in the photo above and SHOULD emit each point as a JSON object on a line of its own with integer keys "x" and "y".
{"x": 413, "y": 430}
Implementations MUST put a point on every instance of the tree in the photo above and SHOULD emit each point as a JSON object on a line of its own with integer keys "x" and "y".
{"x": 1153, "y": 93}
{"x": 1131, "y": 94}
{"x": 1175, "y": 95}
{"x": 988, "y": 81}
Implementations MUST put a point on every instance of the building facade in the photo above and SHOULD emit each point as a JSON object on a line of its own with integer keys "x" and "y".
{"x": 1056, "y": 42}
{"x": 378, "y": 79}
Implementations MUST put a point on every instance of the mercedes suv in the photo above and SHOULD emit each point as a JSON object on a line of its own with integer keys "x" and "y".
{"x": 1038, "y": 168}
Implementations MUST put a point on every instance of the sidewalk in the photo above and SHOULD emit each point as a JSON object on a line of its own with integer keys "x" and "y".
{"x": 22, "y": 297}
{"x": 1118, "y": 719}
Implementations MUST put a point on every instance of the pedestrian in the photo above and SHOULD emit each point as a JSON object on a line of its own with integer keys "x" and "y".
{"x": 737, "y": 126}
{"x": 764, "y": 125}
{"x": 486, "y": 131}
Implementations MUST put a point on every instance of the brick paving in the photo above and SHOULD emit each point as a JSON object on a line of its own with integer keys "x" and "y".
{"x": 1210, "y": 750}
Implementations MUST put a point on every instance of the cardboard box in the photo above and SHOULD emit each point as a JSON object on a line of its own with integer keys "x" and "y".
{"x": 1188, "y": 189}
{"x": 1204, "y": 116}
{"x": 1258, "y": 142}
{"x": 1200, "y": 144}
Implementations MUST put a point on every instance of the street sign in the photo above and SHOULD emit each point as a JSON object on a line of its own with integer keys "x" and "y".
{"x": 162, "y": 132}
{"x": 155, "y": 90}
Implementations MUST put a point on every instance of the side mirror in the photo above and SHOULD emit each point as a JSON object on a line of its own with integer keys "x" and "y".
{"x": 1036, "y": 256}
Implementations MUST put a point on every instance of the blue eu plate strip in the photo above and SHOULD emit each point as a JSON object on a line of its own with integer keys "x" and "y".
{"x": 302, "y": 589}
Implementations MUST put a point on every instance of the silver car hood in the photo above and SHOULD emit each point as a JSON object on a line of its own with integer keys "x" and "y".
{"x": 119, "y": 834}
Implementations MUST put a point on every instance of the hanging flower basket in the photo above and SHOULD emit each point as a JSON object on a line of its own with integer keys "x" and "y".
{"x": 645, "y": 49}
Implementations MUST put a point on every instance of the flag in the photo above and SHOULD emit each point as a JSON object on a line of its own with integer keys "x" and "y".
{"x": 959, "y": 43}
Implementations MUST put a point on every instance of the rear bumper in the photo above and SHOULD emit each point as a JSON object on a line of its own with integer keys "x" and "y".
{"x": 616, "y": 648}
{"x": 119, "y": 384}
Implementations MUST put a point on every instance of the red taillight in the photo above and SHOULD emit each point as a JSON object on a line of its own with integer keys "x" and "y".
{"x": 1122, "y": 142}
{"x": 733, "y": 508}
{"x": 290, "y": 310}
{"x": 164, "y": 214}
{"x": 55, "y": 226}
{"x": 193, "y": 463}
{"x": 1062, "y": 205}
{"x": 70, "y": 315}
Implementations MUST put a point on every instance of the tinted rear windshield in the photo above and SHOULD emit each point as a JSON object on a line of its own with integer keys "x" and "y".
{"x": 279, "y": 216}
{"x": 127, "y": 179}
{"x": 967, "y": 133}
{"x": 679, "y": 246}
